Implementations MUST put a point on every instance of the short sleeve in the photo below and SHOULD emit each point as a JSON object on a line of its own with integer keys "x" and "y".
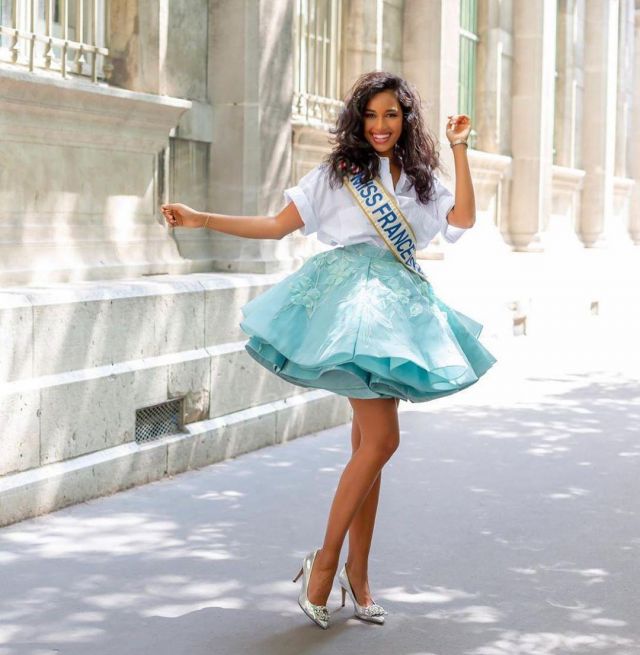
{"x": 311, "y": 197}
{"x": 445, "y": 200}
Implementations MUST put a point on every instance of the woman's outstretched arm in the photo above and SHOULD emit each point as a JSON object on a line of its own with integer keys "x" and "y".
{"x": 251, "y": 227}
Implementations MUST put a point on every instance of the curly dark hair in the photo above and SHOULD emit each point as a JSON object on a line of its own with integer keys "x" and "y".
{"x": 416, "y": 148}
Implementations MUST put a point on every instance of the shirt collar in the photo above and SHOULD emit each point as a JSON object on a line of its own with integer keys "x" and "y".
{"x": 402, "y": 180}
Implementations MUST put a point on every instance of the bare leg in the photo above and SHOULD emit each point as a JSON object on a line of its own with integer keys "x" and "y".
{"x": 361, "y": 532}
{"x": 380, "y": 436}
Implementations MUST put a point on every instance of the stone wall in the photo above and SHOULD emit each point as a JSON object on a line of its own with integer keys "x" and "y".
{"x": 77, "y": 362}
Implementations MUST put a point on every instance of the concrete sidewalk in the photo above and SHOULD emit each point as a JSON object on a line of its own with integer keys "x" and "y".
{"x": 509, "y": 524}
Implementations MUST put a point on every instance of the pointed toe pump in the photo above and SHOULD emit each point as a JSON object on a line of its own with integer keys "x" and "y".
{"x": 373, "y": 613}
{"x": 319, "y": 614}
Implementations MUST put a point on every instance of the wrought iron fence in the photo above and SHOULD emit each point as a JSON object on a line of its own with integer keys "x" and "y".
{"x": 63, "y": 36}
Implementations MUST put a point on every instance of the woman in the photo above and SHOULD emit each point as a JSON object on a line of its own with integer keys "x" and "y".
{"x": 355, "y": 320}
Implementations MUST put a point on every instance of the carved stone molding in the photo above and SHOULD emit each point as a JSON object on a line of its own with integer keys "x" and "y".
{"x": 79, "y": 176}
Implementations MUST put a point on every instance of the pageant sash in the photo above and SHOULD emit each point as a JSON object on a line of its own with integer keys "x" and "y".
{"x": 379, "y": 207}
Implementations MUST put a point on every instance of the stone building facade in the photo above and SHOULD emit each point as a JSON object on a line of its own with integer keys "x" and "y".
{"x": 110, "y": 107}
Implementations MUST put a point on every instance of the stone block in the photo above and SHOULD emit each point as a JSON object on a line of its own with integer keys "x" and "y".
{"x": 230, "y": 31}
{"x": 19, "y": 431}
{"x": 96, "y": 151}
{"x": 238, "y": 382}
{"x": 220, "y": 439}
{"x": 76, "y": 335}
{"x": 306, "y": 417}
{"x": 179, "y": 320}
{"x": 30, "y": 494}
{"x": 80, "y": 173}
{"x": 130, "y": 466}
{"x": 392, "y": 36}
{"x": 87, "y": 325}
{"x": 86, "y": 415}
{"x": 16, "y": 332}
{"x": 185, "y": 63}
{"x": 223, "y": 311}
{"x": 150, "y": 384}
{"x": 191, "y": 379}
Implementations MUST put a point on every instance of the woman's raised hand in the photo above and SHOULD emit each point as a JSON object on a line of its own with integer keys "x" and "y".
{"x": 458, "y": 127}
{"x": 177, "y": 214}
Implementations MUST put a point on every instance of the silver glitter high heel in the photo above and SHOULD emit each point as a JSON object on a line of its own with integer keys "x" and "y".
{"x": 317, "y": 613}
{"x": 373, "y": 613}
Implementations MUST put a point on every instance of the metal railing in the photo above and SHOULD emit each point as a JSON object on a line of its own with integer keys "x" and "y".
{"x": 317, "y": 61}
{"x": 65, "y": 36}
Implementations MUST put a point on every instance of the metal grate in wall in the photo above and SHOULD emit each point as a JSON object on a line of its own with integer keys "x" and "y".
{"x": 159, "y": 420}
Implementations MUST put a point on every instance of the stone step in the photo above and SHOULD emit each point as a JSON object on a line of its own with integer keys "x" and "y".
{"x": 78, "y": 229}
{"x": 53, "y": 486}
{"x": 62, "y": 271}
{"x": 59, "y": 328}
{"x": 64, "y": 415}
{"x": 79, "y": 360}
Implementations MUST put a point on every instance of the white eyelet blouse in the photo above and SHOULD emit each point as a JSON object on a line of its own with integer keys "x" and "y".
{"x": 337, "y": 219}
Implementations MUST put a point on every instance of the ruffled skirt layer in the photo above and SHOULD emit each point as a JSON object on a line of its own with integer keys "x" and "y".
{"x": 353, "y": 320}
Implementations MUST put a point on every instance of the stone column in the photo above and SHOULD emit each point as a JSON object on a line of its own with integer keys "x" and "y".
{"x": 361, "y": 38}
{"x": 251, "y": 90}
{"x": 359, "y": 45}
{"x": 617, "y": 224}
{"x": 431, "y": 61}
{"x": 534, "y": 32}
{"x": 138, "y": 44}
{"x": 634, "y": 137}
{"x": 494, "y": 73}
{"x": 151, "y": 53}
{"x": 599, "y": 119}
{"x": 569, "y": 87}
{"x": 625, "y": 88}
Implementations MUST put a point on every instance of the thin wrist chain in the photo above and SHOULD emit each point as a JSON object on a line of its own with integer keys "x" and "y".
{"x": 460, "y": 141}
{"x": 206, "y": 221}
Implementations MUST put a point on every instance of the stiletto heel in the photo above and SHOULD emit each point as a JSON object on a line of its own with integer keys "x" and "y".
{"x": 319, "y": 614}
{"x": 373, "y": 612}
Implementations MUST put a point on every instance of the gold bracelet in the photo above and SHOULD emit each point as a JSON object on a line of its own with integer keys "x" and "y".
{"x": 206, "y": 221}
{"x": 455, "y": 143}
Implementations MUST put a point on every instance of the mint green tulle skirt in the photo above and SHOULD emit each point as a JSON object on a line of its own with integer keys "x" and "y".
{"x": 353, "y": 320}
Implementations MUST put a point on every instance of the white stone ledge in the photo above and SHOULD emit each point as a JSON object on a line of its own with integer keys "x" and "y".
{"x": 566, "y": 178}
{"x": 141, "y": 364}
{"x": 489, "y": 166}
{"x": 198, "y": 123}
{"x": 160, "y": 285}
{"x": 32, "y": 103}
{"x": 92, "y": 326}
{"x": 43, "y": 78}
{"x": 623, "y": 185}
{"x": 249, "y": 413}
{"x": 58, "y": 469}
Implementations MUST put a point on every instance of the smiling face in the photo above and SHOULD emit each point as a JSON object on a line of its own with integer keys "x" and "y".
{"x": 383, "y": 122}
